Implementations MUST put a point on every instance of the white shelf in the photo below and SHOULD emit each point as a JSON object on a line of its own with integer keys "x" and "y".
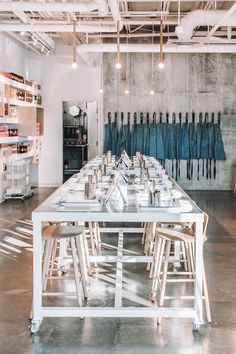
{"x": 17, "y": 157}
{"x": 21, "y": 156}
{"x": 7, "y": 120}
{"x": 15, "y": 139}
{"x": 13, "y": 102}
{"x": 15, "y": 175}
{"x": 16, "y": 84}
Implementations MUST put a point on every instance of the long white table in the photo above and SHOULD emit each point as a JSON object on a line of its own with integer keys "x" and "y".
{"x": 47, "y": 211}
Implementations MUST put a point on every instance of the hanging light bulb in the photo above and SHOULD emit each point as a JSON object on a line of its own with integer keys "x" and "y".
{"x": 152, "y": 92}
{"x": 161, "y": 62}
{"x": 74, "y": 65}
{"x": 118, "y": 64}
{"x": 22, "y": 33}
{"x": 74, "y": 62}
{"x": 126, "y": 91}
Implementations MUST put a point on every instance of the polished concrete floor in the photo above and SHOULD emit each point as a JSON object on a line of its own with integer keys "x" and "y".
{"x": 122, "y": 336}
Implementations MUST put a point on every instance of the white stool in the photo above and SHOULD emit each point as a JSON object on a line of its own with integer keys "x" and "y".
{"x": 160, "y": 272}
{"x": 77, "y": 240}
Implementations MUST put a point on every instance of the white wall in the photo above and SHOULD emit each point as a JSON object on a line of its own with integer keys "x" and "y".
{"x": 59, "y": 83}
{"x": 13, "y": 56}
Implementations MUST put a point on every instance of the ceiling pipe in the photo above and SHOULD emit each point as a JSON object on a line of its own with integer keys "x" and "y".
{"x": 82, "y": 7}
{"x": 198, "y": 18}
{"x": 56, "y": 28}
{"x": 149, "y": 48}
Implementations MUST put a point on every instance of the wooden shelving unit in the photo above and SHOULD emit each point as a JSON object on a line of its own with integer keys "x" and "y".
{"x": 27, "y": 118}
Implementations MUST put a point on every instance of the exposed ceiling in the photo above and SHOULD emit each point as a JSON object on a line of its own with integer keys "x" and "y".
{"x": 40, "y": 25}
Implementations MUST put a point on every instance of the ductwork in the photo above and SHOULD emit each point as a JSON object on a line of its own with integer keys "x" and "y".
{"x": 149, "y": 48}
{"x": 198, "y": 18}
{"x": 82, "y": 7}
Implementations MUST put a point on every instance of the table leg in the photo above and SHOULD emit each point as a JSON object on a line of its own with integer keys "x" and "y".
{"x": 198, "y": 278}
{"x": 37, "y": 277}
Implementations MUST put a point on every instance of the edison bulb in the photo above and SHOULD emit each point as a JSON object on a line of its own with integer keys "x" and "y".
{"x": 152, "y": 92}
{"x": 161, "y": 65}
{"x": 118, "y": 65}
{"x": 126, "y": 91}
{"x": 101, "y": 90}
{"x": 74, "y": 65}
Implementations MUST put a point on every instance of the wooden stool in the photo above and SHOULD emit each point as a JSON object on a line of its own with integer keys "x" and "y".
{"x": 78, "y": 242}
{"x": 160, "y": 271}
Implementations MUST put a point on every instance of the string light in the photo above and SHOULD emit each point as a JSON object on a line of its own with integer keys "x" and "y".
{"x": 127, "y": 71}
{"x": 74, "y": 62}
{"x": 161, "y": 63}
{"x": 118, "y": 64}
{"x": 152, "y": 59}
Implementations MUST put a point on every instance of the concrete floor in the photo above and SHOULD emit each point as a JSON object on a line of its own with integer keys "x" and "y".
{"x": 118, "y": 335}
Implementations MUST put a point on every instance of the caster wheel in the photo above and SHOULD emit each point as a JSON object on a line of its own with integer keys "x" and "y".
{"x": 196, "y": 327}
{"x": 63, "y": 269}
{"x": 34, "y": 328}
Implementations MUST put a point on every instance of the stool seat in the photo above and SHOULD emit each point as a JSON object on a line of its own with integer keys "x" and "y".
{"x": 62, "y": 231}
{"x": 186, "y": 236}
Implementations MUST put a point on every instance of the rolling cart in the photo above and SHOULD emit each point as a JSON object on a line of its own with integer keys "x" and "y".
{"x": 18, "y": 178}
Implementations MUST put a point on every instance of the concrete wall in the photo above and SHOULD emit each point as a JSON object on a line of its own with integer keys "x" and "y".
{"x": 59, "y": 83}
{"x": 189, "y": 82}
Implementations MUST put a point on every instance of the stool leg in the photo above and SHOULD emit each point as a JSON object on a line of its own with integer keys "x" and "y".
{"x": 82, "y": 263}
{"x": 189, "y": 263}
{"x": 86, "y": 251}
{"x": 157, "y": 270}
{"x": 144, "y": 233}
{"x": 93, "y": 247}
{"x": 205, "y": 293}
{"x": 164, "y": 277}
{"x": 62, "y": 253}
{"x": 76, "y": 272}
{"x": 98, "y": 237}
{"x": 184, "y": 256}
{"x": 46, "y": 262}
{"x": 165, "y": 270}
{"x": 53, "y": 256}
